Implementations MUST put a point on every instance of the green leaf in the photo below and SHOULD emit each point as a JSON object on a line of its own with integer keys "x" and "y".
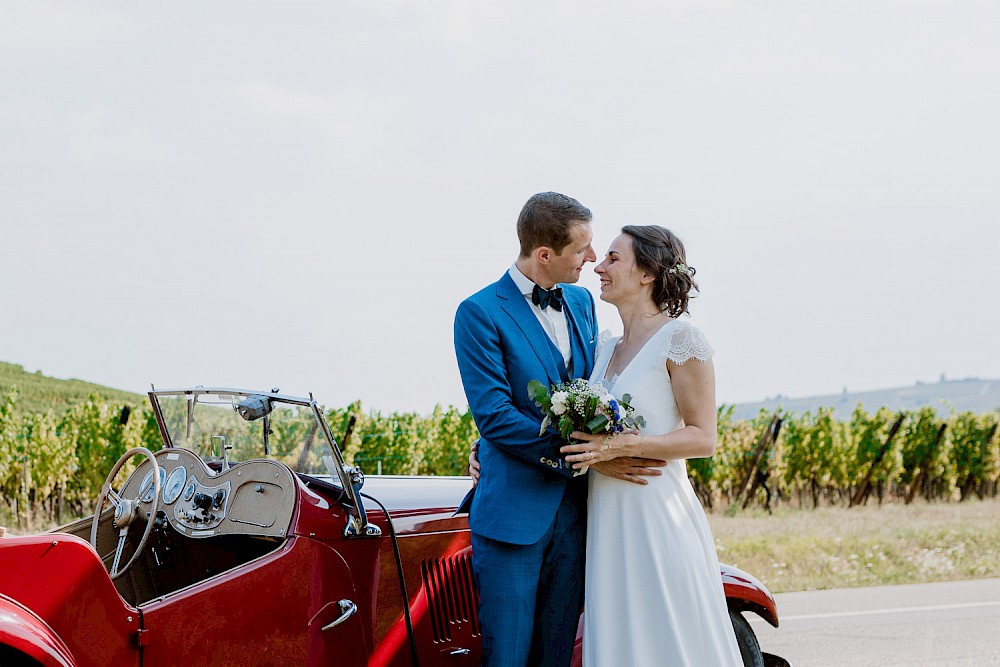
{"x": 565, "y": 428}
{"x": 540, "y": 394}
{"x": 597, "y": 424}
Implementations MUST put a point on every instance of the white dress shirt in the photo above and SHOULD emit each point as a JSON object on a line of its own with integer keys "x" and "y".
{"x": 553, "y": 321}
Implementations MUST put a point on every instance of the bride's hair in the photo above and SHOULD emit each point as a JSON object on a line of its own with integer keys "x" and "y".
{"x": 660, "y": 253}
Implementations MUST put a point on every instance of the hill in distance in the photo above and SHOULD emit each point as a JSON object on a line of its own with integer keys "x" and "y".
{"x": 37, "y": 393}
{"x": 970, "y": 394}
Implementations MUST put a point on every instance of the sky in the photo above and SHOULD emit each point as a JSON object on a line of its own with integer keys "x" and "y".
{"x": 299, "y": 195}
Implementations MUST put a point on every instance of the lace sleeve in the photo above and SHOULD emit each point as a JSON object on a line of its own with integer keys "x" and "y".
{"x": 687, "y": 342}
{"x": 603, "y": 339}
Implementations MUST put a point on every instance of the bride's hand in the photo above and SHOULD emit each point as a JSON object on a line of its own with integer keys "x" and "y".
{"x": 590, "y": 449}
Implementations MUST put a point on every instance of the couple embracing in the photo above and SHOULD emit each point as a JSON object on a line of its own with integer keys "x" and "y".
{"x": 613, "y": 516}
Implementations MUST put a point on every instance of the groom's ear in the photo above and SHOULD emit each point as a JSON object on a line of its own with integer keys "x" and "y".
{"x": 543, "y": 254}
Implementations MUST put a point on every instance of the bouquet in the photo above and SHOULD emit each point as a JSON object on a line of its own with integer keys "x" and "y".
{"x": 580, "y": 405}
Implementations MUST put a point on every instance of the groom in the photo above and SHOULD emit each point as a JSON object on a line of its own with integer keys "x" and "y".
{"x": 527, "y": 515}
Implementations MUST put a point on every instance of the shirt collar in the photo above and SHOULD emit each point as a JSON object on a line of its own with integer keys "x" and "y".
{"x": 523, "y": 282}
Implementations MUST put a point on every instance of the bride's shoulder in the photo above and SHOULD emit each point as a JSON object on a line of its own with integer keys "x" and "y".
{"x": 604, "y": 339}
{"x": 685, "y": 341}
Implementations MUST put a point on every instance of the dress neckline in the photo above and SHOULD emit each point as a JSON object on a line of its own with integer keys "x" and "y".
{"x": 610, "y": 381}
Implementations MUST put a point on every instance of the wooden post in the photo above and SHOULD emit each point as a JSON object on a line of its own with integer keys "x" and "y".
{"x": 307, "y": 447}
{"x": 347, "y": 432}
{"x": 984, "y": 446}
{"x": 862, "y": 492}
{"x": 920, "y": 478}
{"x": 931, "y": 481}
{"x": 767, "y": 437}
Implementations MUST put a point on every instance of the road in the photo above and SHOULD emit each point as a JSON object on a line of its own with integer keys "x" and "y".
{"x": 956, "y": 624}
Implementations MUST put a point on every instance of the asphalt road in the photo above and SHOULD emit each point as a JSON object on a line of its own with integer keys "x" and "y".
{"x": 954, "y": 623}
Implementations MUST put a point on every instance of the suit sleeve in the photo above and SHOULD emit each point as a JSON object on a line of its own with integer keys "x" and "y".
{"x": 481, "y": 364}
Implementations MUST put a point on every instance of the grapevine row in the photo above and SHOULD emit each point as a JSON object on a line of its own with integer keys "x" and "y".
{"x": 52, "y": 468}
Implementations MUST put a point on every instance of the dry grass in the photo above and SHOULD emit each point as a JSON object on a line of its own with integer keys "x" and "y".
{"x": 835, "y": 547}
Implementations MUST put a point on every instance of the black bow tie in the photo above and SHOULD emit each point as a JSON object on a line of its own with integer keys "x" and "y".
{"x": 543, "y": 298}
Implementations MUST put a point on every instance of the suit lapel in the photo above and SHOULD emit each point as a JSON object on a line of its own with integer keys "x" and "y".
{"x": 582, "y": 360}
{"x": 515, "y": 305}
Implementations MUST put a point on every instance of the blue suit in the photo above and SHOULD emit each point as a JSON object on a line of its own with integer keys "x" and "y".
{"x": 527, "y": 514}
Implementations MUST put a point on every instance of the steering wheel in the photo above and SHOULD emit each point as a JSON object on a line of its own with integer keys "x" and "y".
{"x": 127, "y": 511}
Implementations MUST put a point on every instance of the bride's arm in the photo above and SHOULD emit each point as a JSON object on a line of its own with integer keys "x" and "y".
{"x": 694, "y": 390}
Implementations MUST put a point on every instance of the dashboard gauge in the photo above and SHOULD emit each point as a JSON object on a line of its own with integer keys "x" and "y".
{"x": 147, "y": 488}
{"x": 172, "y": 489}
{"x": 189, "y": 491}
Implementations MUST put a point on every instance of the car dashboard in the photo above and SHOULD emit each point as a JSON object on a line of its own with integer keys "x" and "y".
{"x": 249, "y": 498}
{"x": 210, "y": 519}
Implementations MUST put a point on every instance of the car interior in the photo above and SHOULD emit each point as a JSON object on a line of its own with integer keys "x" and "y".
{"x": 206, "y": 522}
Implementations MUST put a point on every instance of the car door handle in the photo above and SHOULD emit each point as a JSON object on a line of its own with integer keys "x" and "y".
{"x": 347, "y": 609}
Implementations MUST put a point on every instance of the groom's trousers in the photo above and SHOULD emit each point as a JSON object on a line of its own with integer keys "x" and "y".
{"x": 531, "y": 595}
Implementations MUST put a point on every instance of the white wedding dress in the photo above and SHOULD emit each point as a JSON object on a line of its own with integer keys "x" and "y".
{"x": 654, "y": 593}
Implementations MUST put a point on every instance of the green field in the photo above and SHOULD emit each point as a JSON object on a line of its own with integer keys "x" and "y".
{"x": 836, "y": 547}
{"x": 37, "y": 393}
{"x": 58, "y": 439}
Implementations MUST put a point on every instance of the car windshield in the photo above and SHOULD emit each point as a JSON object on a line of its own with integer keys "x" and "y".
{"x": 240, "y": 426}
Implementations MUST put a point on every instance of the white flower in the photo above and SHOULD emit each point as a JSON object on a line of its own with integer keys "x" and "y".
{"x": 559, "y": 402}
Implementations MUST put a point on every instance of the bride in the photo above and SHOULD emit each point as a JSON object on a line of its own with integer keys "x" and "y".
{"x": 654, "y": 594}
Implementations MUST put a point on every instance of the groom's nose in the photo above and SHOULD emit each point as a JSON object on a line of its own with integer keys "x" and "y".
{"x": 591, "y": 256}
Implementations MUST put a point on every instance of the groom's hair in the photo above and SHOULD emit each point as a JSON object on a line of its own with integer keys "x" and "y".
{"x": 546, "y": 220}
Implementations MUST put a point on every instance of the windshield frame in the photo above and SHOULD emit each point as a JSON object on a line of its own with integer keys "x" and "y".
{"x": 351, "y": 478}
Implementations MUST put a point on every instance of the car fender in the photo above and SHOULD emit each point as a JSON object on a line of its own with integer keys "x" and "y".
{"x": 744, "y": 592}
{"x": 22, "y": 630}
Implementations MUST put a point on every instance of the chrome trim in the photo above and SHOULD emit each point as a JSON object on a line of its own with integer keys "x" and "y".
{"x": 351, "y": 477}
{"x": 347, "y": 609}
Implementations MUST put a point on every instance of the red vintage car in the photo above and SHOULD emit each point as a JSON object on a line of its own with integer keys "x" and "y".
{"x": 247, "y": 540}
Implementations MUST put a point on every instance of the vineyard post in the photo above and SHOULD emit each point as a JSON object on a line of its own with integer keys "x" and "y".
{"x": 921, "y": 476}
{"x": 24, "y": 512}
{"x": 760, "y": 478}
{"x": 984, "y": 448}
{"x": 765, "y": 439}
{"x": 307, "y": 446}
{"x": 863, "y": 489}
{"x": 348, "y": 431}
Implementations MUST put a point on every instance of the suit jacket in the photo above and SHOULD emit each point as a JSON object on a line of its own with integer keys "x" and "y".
{"x": 500, "y": 347}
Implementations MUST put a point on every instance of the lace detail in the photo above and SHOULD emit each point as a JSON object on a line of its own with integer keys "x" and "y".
{"x": 686, "y": 342}
{"x": 603, "y": 339}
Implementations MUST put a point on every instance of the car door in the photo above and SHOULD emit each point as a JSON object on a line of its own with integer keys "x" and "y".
{"x": 294, "y": 606}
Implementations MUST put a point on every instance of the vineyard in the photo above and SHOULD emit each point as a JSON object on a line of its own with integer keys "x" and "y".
{"x": 52, "y": 466}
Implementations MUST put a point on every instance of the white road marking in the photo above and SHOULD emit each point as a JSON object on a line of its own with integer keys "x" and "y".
{"x": 873, "y": 612}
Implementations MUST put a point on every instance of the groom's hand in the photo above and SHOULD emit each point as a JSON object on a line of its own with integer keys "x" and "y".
{"x": 630, "y": 468}
{"x": 474, "y": 463}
